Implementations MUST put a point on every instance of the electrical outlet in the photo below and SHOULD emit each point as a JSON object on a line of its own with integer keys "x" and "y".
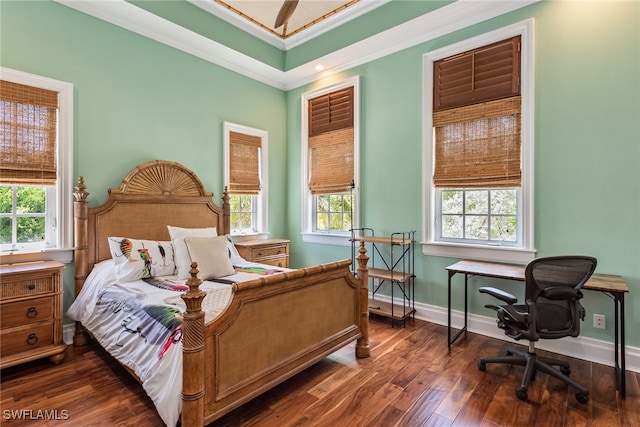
{"x": 598, "y": 321}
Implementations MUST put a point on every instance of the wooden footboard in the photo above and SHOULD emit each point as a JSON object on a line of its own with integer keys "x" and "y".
{"x": 274, "y": 328}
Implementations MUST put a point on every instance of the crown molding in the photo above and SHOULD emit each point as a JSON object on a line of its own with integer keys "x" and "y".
{"x": 447, "y": 19}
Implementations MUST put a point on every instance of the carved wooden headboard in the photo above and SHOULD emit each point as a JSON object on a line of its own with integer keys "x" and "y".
{"x": 153, "y": 195}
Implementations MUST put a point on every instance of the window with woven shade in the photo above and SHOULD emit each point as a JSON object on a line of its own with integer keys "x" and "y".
{"x": 244, "y": 160}
{"x": 28, "y": 135}
{"x": 246, "y": 178}
{"x": 479, "y": 151}
{"x": 330, "y": 159}
{"x": 36, "y": 167}
{"x": 476, "y": 117}
{"x": 331, "y": 142}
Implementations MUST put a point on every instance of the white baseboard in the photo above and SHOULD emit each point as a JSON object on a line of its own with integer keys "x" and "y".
{"x": 580, "y": 347}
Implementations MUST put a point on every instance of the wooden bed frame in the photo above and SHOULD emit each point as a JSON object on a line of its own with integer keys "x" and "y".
{"x": 274, "y": 327}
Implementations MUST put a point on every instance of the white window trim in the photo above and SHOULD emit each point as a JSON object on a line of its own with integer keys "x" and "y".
{"x": 308, "y": 235}
{"x": 262, "y": 210}
{"x": 430, "y": 246}
{"x": 64, "y": 183}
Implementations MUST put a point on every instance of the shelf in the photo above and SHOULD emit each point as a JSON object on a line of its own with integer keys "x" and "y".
{"x": 395, "y": 276}
{"x": 384, "y": 309}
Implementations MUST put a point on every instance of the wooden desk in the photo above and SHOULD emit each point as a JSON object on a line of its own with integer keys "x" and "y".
{"x": 611, "y": 285}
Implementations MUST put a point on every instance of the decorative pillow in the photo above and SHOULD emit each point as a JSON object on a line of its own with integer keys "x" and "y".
{"x": 212, "y": 256}
{"x": 234, "y": 256}
{"x": 182, "y": 258}
{"x": 138, "y": 259}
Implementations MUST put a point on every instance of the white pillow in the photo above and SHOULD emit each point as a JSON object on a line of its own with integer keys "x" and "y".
{"x": 212, "y": 256}
{"x": 182, "y": 258}
{"x": 136, "y": 259}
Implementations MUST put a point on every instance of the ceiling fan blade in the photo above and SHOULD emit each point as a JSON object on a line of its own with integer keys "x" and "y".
{"x": 285, "y": 12}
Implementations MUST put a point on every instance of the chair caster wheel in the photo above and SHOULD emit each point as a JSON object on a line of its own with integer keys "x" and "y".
{"x": 582, "y": 397}
{"x": 521, "y": 394}
{"x": 565, "y": 370}
{"x": 482, "y": 366}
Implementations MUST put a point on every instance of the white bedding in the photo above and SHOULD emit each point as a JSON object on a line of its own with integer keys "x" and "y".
{"x": 141, "y": 326}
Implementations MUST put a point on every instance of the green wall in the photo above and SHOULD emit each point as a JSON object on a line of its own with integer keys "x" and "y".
{"x": 587, "y": 150}
{"x": 137, "y": 100}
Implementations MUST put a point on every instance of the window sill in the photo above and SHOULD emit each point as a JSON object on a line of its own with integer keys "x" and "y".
{"x": 483, "y": 253}
{"x": 64, "y": 256}
{"x": 327, "y": 239}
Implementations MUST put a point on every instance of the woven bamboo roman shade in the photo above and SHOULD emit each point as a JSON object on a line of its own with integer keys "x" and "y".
{"x": 244, "y": 163}
{"x": 28, "y": 134}
{"x": 331, "y": 142}
{"x": 477, "y": 118}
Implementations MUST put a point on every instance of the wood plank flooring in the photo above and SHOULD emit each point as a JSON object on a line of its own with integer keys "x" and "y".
{"x": 412, "y": 379}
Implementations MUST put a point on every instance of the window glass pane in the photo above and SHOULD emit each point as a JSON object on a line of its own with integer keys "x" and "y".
{"x": 6, "y": 199}
{"x": 30, "y": 229}
{"x": 476, "y": 202}
{"x": 5, "y": 230}
{"x": 452, "y": 226}
{"x": 452, "y": 202}
{"x": 503, "y": 228}
{"x": 30, "y": 200}
{"x": 476, "y": 227}
{"x": 503, "y": 202}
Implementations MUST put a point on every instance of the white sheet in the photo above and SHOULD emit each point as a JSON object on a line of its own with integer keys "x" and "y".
{"x": 141, "y": 326}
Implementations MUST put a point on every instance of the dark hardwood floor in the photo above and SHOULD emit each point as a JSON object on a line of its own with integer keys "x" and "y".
{"x": 411, "y": 379}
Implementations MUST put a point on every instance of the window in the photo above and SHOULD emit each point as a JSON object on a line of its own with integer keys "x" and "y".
{"x": 246, "y": 178}
{"x": 330, "y": 155}
{"x": 478, "y": 157}
{"x": 36, "y": 146}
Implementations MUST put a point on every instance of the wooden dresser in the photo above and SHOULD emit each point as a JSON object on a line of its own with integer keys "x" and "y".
{"x": 267, "y": 251}
{"x": 31, "y": 312}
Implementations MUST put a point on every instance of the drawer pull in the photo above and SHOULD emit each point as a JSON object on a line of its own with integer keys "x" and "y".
{"x": 32, "y": 339}
{"x": 32, "y": 312}
{"x": 31, "y": 286}
{"x": 259, "y": 253}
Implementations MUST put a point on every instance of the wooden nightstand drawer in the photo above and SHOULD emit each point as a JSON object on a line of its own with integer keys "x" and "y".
{"x": 269, "y": 251}
{"x": 26, "y": 338}
{"x": 28, "y": 311}
{"x": 26, "y": 287}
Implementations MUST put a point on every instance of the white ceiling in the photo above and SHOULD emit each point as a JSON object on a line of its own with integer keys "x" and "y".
{"x": 449, "y": 18}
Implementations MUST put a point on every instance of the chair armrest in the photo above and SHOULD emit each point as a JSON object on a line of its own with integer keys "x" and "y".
{"x": 499, "y": 294}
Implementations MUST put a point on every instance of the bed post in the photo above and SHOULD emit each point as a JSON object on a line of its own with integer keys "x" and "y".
{"x": 226, "y": 211}
{"x": 81, "y": 248}
{"x": 362, "y": 345}
{"x": 193, "y": 353}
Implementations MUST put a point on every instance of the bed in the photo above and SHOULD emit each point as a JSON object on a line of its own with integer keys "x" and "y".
{"x": 233, "y": 356}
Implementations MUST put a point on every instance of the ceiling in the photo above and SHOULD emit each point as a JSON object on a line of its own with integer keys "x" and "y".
{"x": 304, "y": 16}
{"x": 232, "y": 33}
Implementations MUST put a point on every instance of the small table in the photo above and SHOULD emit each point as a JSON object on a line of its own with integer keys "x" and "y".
{"x": 611, "y": 285}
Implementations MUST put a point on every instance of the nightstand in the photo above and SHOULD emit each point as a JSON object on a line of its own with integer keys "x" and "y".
{"x": 267, "y": 251}
{"x": 31, "y": 312}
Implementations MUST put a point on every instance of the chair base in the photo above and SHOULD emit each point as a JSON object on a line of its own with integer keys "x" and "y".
{"x": 532, "y": 363}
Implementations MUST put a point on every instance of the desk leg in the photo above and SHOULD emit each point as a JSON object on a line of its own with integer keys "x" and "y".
{"x": 466, "y": 281}
{"x": 623, "y": 373}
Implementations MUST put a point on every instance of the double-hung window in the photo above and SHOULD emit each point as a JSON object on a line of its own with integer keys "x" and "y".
{"x": 246, "y": 178}
{"x": 330, "y": 154}
{"x": 478, "y": 151}
{"x": 35, "y": 167}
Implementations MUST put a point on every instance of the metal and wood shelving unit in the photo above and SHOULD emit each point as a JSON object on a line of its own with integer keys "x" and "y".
{"x": 391, "y": 263}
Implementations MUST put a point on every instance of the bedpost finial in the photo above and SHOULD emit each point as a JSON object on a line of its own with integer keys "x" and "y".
{"x": 194, "y": 296}
{"x": 81, "y": 193}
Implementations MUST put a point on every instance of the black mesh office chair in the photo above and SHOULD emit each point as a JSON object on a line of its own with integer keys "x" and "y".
{"x": 551, "y": 310}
